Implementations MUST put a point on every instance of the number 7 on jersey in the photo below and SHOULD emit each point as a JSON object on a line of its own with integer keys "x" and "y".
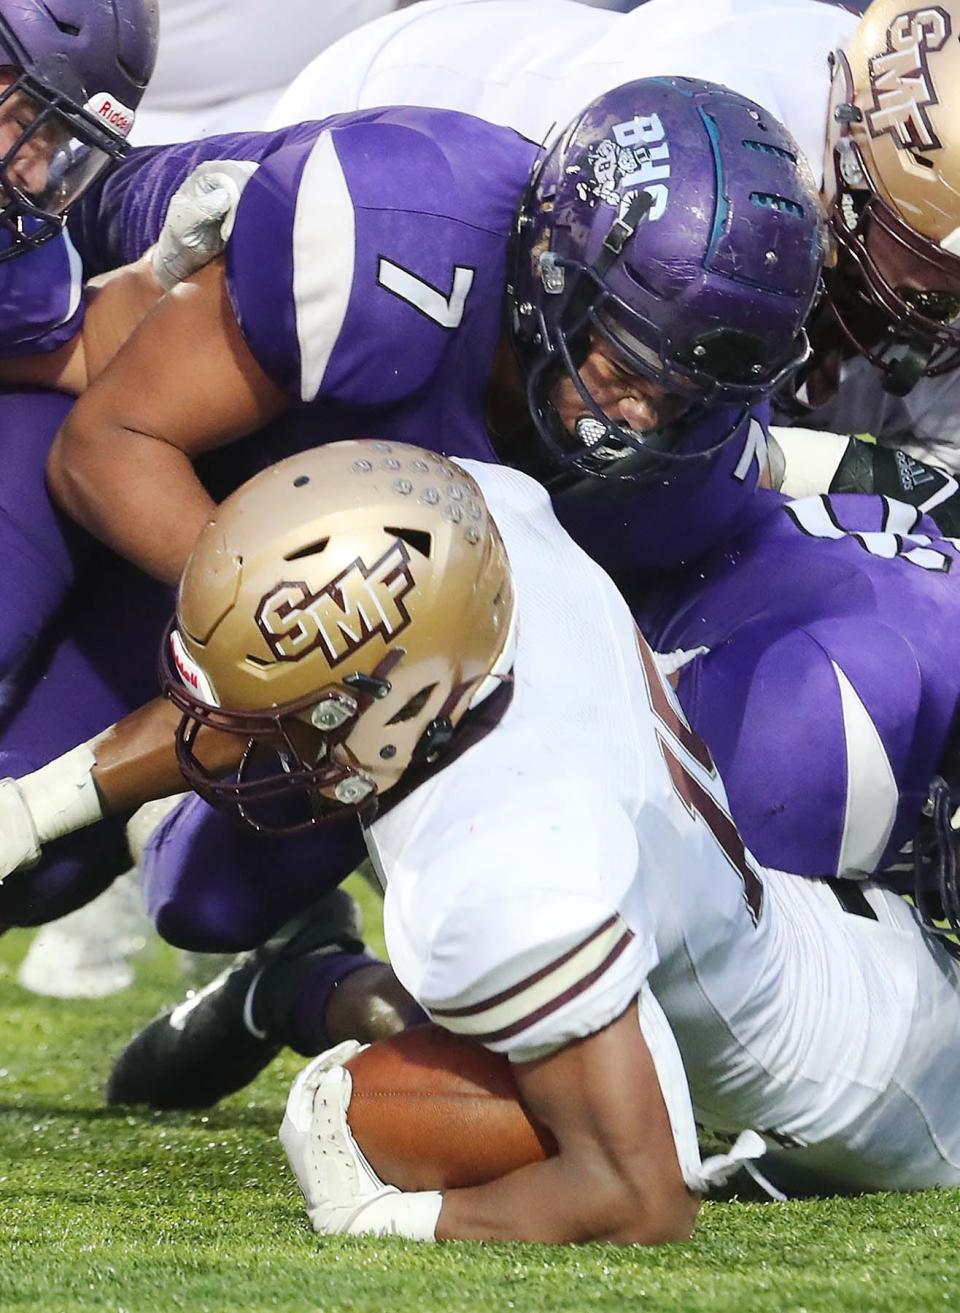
{"x": 444, "y": 308}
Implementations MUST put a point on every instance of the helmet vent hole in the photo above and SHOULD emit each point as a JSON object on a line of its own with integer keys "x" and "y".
{"x": 769, "y": 201}
{"x": 418, "y": 539}
{"x": 301, "y": 480}
{"x": 412, "y": 708}
{"x": 69, "y": 29}
{"x": 768, "y": 148}
{"x": 311, "y": 549}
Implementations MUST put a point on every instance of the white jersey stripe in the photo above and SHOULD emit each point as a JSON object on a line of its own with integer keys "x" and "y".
{"x": 872, "y": 793}
{"x": 323, "y": 261}
{"x": 76, "y": 275}
{"x": 515, "y": 1010}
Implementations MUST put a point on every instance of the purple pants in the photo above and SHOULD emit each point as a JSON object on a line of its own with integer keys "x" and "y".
{"x": 829, "y": 666}
{"x": 212, "y": 884}
{"x": 78, "y": 641}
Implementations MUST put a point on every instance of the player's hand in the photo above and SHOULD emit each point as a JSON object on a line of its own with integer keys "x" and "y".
{"x": 199, "y": 219}
{"x": 336, "y": 1181}
{"x": 19, "y": 842}
{"x": 343, "y": 1193}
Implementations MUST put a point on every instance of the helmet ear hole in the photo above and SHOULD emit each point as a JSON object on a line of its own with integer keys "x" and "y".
{"x": 413, "y": 706}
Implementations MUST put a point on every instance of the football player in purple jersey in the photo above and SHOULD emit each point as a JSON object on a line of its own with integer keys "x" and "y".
{"x": 363, "y": 289}
{"x": 71, "y": 76}
{"x": 72, "y": 73}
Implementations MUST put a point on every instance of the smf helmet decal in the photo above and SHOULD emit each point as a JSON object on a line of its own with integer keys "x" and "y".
{"x": 344, "y": 615}
{"x": 900, "y": 79}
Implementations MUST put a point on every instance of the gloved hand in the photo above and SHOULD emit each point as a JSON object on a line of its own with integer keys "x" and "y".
{"x": 343, "y": 1194}
{"x": 199, "y": 219}
{"x": 19, "y": 841}
{"x": 55, "y": 800}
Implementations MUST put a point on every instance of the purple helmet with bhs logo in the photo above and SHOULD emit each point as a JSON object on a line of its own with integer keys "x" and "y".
{"x": 76, "y": 70}
{"x": 678, "y": 222}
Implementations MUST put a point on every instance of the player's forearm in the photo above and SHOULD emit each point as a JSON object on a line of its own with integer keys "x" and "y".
{"x": 136, "y": 762}
{"x": 116, "y": 303}
{"x": 138, "y": 495}
{"x": 562, "y": 1201}
{"x": 64, "y": 369}
{"x": 131, "y": 763}
{"x": 616, "y": 1175}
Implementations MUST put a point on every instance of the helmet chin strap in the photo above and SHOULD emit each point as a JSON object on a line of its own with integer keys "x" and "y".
{"x": 621, "y": 230}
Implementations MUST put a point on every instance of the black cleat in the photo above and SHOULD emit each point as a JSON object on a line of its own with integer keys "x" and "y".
{"x": 215, "y": 1041}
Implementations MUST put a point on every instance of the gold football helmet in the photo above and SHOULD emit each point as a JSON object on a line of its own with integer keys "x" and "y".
{"x": 342, "y": 613}
{"x": 892, "y": 187}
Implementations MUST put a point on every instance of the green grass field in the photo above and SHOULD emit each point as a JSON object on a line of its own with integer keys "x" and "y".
{"x": 151, "y": 1213}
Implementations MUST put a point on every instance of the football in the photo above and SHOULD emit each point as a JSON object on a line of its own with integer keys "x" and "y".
{"x": 432, "y": 1111}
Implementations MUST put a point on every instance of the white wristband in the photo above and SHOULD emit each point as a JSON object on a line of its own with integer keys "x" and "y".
{"x": 810, "y": 459}
{"x": 414, "y": 1216}
{"x": 62, "y": 796}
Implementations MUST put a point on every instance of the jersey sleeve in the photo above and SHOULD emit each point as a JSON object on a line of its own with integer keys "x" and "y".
{"x": 42, "y": 296}
{"x": 344, "y": 282}
{"x": 511, "y": 925}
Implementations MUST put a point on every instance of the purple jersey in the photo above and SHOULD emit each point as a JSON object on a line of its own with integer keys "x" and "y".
{"x": 367, "y": 271}
{"x": 41, "y": 296}
{"x": 826, "y": 674}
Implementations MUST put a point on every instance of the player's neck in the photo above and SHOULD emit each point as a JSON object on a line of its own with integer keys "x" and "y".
{"x": 506, "y": 403}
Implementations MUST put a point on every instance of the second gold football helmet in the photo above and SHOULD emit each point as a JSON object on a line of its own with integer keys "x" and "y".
{"x": 892, "y": 186}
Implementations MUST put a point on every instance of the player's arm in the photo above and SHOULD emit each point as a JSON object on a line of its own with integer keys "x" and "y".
{"x": 131, "y": 763}
{"x": 549, "y": 972}
{"x": 116, "y": 302}
{"x": 185, "y": 383}
{"x": 806, "y": 462}
{"x": 615, "y": 1176}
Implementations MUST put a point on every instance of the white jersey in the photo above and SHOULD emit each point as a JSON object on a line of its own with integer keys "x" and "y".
{"x": 582, "y": 851}
{"x": 531, "y": 64}
{"x": 221, "y": 66}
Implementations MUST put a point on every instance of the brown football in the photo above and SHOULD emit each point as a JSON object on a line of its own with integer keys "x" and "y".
{"x": 432, "y": 1111}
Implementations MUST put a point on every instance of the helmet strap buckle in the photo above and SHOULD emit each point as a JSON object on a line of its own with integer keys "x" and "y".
{"x": 434, "y": 740}
{"x": 621, "y": 230}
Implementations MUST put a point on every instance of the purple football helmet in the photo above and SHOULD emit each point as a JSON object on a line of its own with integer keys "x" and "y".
{"x": 80, "y": 68}
{"x": 678, "y": 221}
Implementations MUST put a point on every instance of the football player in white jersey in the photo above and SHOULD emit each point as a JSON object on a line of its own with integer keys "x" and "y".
{"x": 564, "y": 883}
{"x": 870, "y": 101}
{"x": 259, "y": 48}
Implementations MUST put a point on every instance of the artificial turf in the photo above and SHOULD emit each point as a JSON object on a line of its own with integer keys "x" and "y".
{"x": 150, "y": 1212}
